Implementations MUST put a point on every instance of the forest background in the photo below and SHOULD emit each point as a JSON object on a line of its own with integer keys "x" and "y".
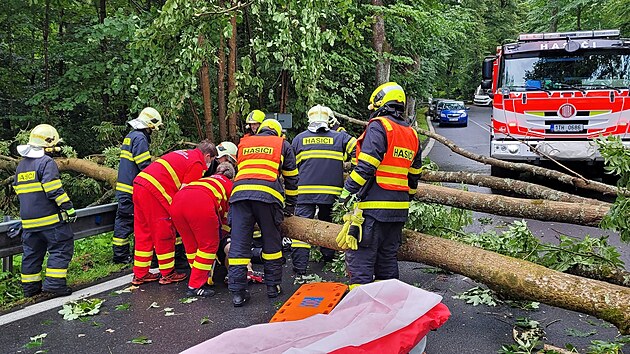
{"x": 87, "y": 67}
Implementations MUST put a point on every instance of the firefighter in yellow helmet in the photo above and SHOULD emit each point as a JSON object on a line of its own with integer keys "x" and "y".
{"x": 259, "y": 197}
{"x": 382, "y": 184}
{"x": 254, "y": 119}
{"x": 46, "y": 211}
{"x": 134, "y": 157}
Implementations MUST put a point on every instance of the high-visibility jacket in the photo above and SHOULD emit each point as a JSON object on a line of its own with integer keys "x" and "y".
{"x": 40, "y": 193}
{"x": 387, "y": 140}
{"x": 219, "y": 188}
{"x": 320, "y": 157}
{"x": 261, "y": 160}
{"x": 402, "y": 145}
{"x": 134, "y": 157}
{"x": 165, "y": 176}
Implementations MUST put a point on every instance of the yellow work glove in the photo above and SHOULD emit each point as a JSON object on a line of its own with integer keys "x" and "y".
{"x": 341, "y": 236}
{"x": 355, "y": 231}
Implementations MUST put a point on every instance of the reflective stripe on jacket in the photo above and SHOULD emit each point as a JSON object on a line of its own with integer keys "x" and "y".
{"x": 320, "y": 158}
{"x": 385, "y": 205}
{"x": 40, "y": 192}
{"x": 165, "y": 176}
{"x": 262, "y": 189}
{"x": 134, "y": 157}
{"x": 259, "y": 157}
{"x": 402, "y": 146}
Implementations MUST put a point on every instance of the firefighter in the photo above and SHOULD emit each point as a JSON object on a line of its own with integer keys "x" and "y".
{"x": 259, "y": 197}
{"x": 253, "y": 120}
{"x": 153, "y": 192}
{"x": 134, "y": 157}
{"x": 383, "y": 182}
{"x": 198, "y": 212}
{"x": 320, "y": 153}
{"x": 227, "y": 152}
{"x": 46, "y": 211}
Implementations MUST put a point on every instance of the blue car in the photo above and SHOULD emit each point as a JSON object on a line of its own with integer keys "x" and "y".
{"x": 452, "y": 113}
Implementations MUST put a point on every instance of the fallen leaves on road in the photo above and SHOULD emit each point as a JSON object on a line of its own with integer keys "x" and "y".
{"x": 75, "y": 309}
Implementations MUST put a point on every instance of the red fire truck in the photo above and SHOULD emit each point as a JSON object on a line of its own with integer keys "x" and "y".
{"x": 554, "y": 92}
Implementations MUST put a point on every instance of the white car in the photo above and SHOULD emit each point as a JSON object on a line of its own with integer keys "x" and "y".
{"x": 481, "y": 98}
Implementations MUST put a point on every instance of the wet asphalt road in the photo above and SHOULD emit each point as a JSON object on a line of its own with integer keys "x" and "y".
{"x": 480, "y": 329}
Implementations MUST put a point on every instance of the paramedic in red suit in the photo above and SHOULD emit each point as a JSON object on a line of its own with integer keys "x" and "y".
{"x": 196, "y": 213}
{"x": 153, "y": 192}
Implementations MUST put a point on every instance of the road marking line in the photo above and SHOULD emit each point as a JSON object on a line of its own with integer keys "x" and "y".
{"x": 58, "y": 302}
{"x": 480, "y": 126}
{"x": 431, "y": 142}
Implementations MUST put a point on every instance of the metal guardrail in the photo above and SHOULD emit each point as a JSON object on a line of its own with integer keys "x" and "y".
{"x": 90, "y": 221}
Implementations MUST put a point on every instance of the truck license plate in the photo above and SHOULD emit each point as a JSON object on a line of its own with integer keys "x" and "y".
{"x": 567, "y": 128}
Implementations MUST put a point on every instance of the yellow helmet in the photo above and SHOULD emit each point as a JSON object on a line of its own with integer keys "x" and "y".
{"x": 45, "y": 136}
{"x": 255, "y": 116}
{"x": 389, "y": 91}
{"x": 149, "y": 118}
{"x": 271, "y": 124}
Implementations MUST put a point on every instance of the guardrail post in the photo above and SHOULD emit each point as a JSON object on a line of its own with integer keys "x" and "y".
{"x": 7, "y": 262}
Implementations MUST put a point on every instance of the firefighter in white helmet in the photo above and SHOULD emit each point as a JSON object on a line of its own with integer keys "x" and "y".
{"x": 134, "y": 157}
{"x": 46, "y": 210}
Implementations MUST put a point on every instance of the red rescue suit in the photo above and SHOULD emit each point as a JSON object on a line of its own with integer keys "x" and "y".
{"x": 197, "y": 213}
{"x": 153, "y": 192}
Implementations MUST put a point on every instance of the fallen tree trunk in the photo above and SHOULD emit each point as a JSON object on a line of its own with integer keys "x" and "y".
{"x": 531, "y": 190}
{"x": 535, "y": 170}
{"x": 510, "y": 276}
{"x": 546, "y": 210}
{"x": 85, "y": 167}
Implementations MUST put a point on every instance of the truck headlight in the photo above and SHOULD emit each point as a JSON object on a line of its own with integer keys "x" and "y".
{"x": 442, "y": 115}
{"x": 513, "y": 148}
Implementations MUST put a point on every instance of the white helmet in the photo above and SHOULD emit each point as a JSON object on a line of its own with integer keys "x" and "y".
{"x": 149, "y": 118}
{"x": 318, "y": 117}
{"x": 332, "y": 120}
{"x": 229, "y": 149}
{"x": 41, "y": 139}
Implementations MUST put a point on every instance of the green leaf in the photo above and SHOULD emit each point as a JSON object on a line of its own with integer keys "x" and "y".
{"x": 577, "y": 333}
{"x": 141, "y": 340}
{"x": 123, "y": 307}
{"x": 188, "y": 300}
{"x": 205, "y": 320}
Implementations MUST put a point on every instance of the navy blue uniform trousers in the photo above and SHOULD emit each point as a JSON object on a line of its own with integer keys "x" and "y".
{"x": 376, "y": 258}
{"x": 300, "y": 255}
{"x": 268, "y": 216}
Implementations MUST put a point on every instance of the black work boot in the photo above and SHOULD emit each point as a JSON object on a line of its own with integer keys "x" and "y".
{"x": 58, "y": 292}
{"x": 204, "y": 291}
{"x": 273, "y": 291}
{"x": 239, "y": 298}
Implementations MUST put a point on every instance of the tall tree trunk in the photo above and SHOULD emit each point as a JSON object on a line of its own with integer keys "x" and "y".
{"x": 102, "y": 13}
{"x": 45, "y": 33}
{"x": 379, "y": 43}
{"x": 252, "y": 54}
{"x": 514, "y": 277}
{"x": 579, "y": 17}
{"x": 205, "y": 91}
{"x": 221, "y": 102}
{"x": 61, "y": 24}
{"x": 232, "y": 76}
{"x": 284, "y": 90}
{"x": 553, "y": 23}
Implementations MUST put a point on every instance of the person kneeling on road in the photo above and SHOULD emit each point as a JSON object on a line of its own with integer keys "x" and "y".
{"x": 196, "y": 212}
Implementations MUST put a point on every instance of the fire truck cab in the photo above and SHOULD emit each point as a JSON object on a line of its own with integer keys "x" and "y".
{"x": 554, "y": 92}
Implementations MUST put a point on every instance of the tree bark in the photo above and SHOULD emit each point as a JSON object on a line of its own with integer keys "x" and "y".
{"x": 89, "y": 169}
{"x": 379, "y": 43}
{"x": 530, "y": 190}
{"x": 510, "y": 276}
{"x": 572, "y": 213}
{"x": 45, "y": 33}
{"x": 196, "y": 118}
{"x": 205, "y": 91}
{"x": 221, "y": 102}
{"x": 232, "y": 76}
{"x": 535, "y": 170}
{"x": 284, "y": 90}
{"x": 60, "y": 36}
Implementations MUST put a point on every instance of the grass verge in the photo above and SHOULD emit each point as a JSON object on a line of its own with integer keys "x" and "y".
{"x": 92, "y": 261}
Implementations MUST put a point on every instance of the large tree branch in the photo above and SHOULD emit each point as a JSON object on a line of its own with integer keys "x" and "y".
{"x": 535, "y": 170}
{"x": 546, "y": 210}
{"x": 530, "y": 190}
{"x": 510, "y": 276}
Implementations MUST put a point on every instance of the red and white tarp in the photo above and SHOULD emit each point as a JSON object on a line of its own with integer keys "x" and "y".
{"x": 382, "y": 317}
